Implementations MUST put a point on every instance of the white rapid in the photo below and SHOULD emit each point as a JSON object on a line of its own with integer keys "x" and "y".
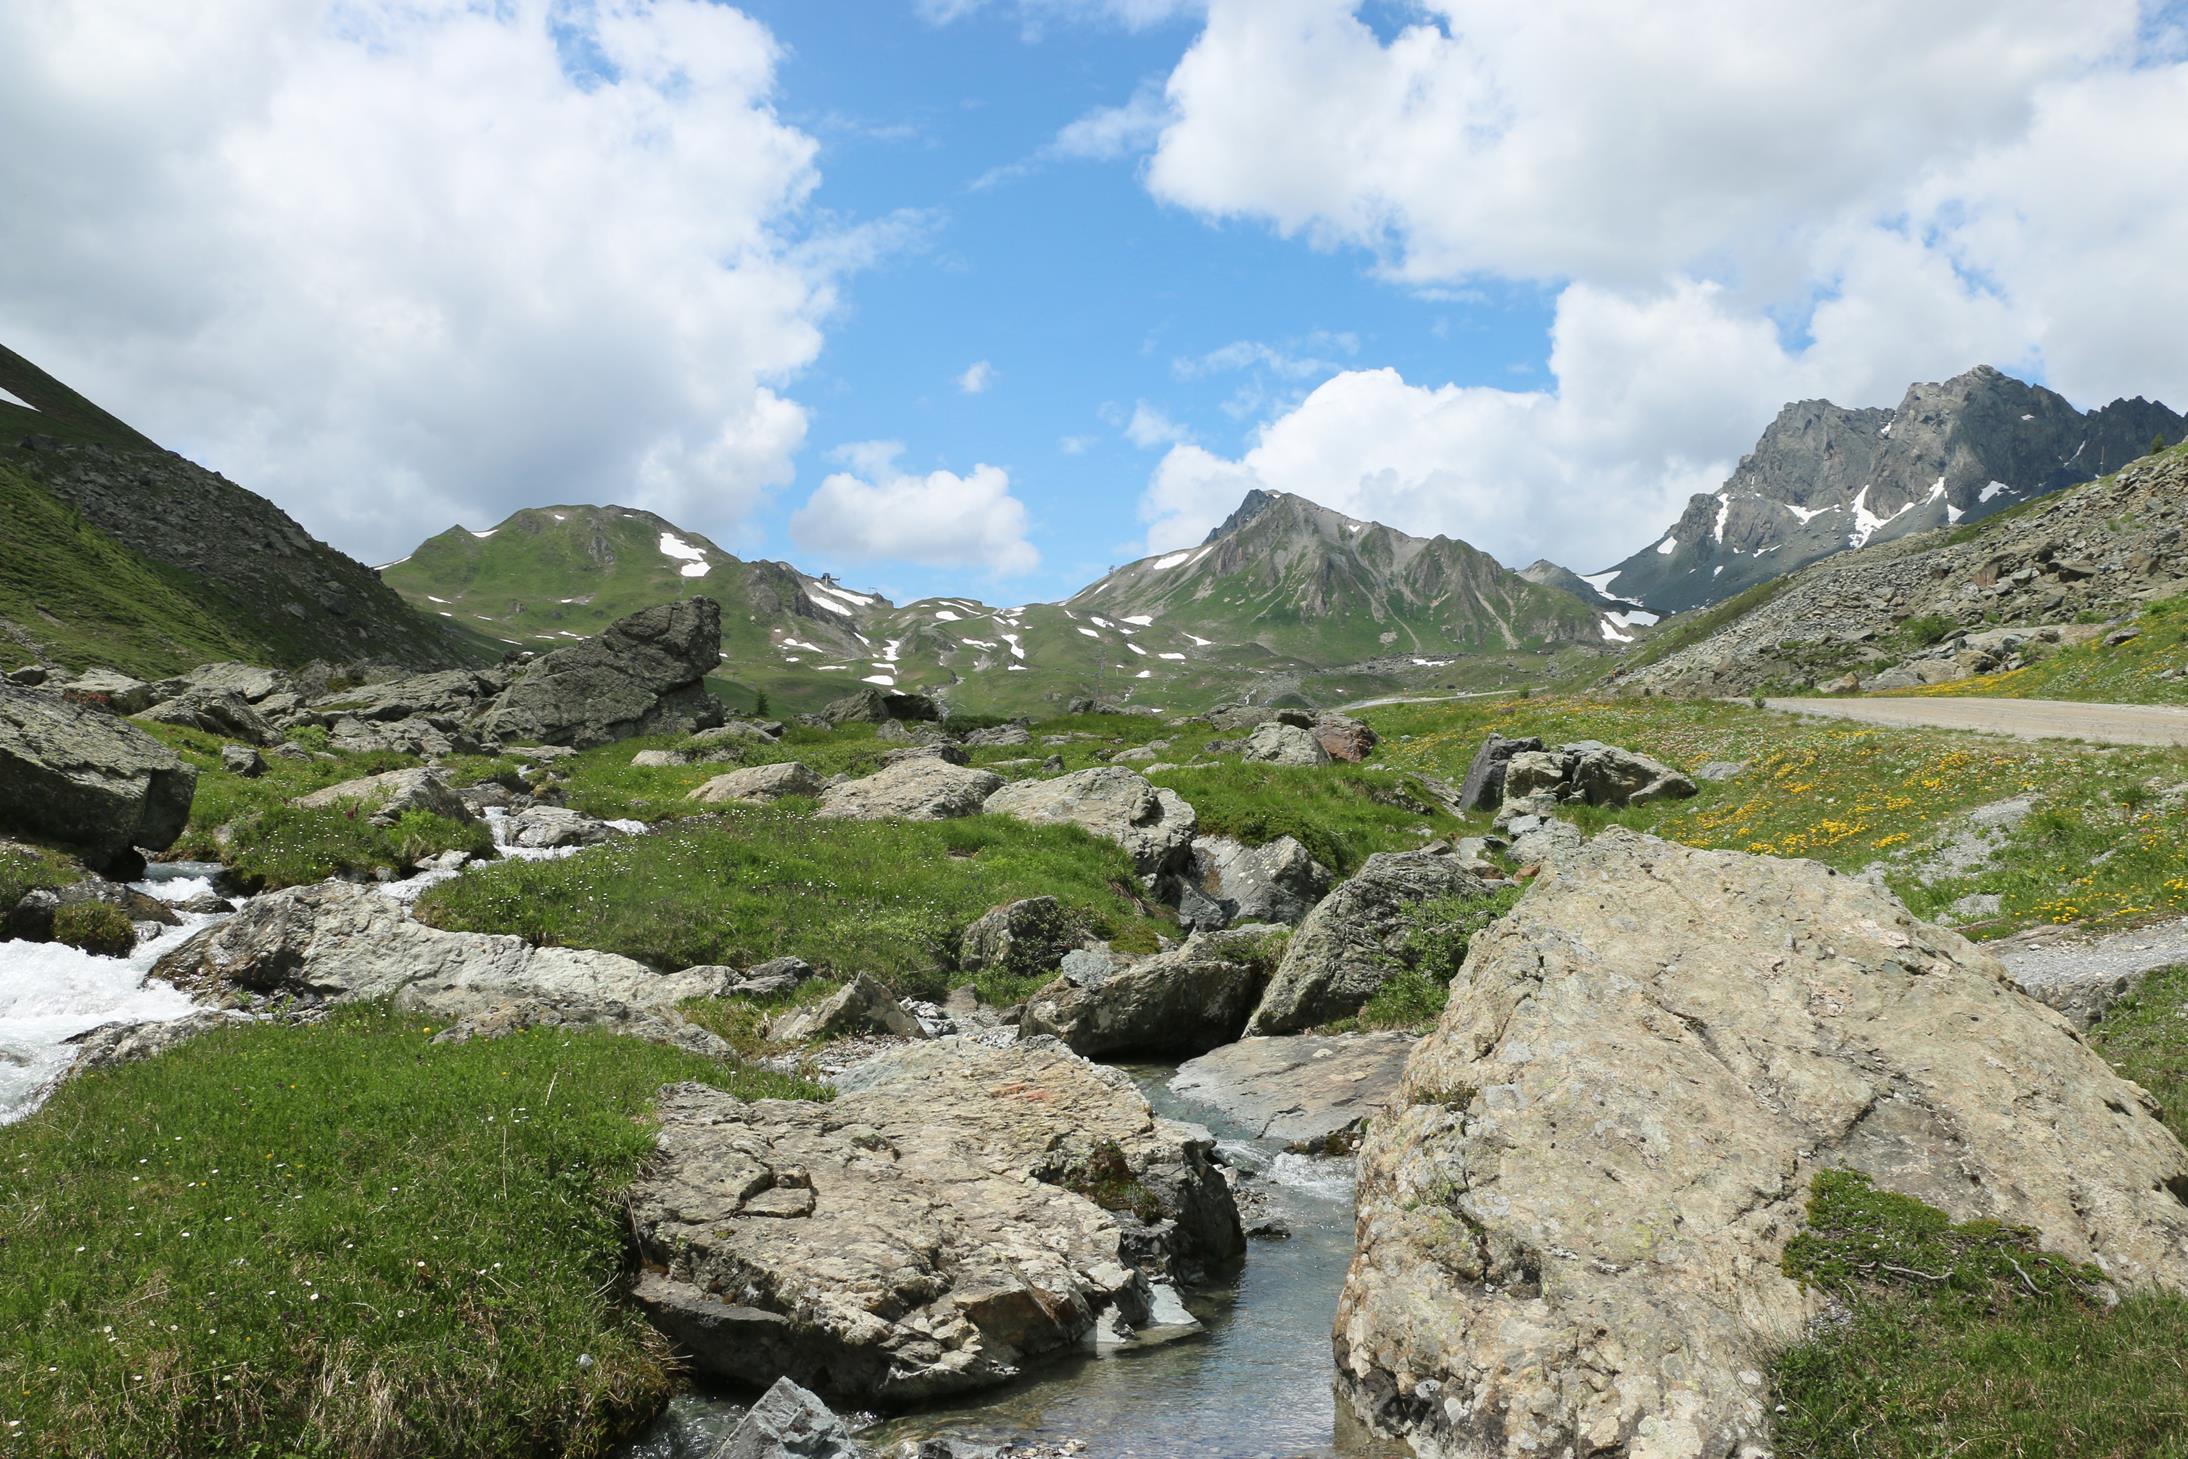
{"x": 51, "y": 993}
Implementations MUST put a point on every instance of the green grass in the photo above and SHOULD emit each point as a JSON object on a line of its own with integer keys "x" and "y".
{"x": 2096, "y": 672}
{"x": 274, "y": 844}
{"x": 2097, "y": 850}
{"x": 26, "y": 868}
{"x": 1437, "y": 935}
{"x": 88, "y": 600}
{"x": 887, "y": 898}
{"x": 1976, "y": 1363}
{"x": 292, "y": 846}
{"x": 1342, "y": 814}
{"x": 1969, "y": 1340}
{"x": 96, "y": 927}
{"x": 603, "y": 782}
{"x": 334, "y": 1239}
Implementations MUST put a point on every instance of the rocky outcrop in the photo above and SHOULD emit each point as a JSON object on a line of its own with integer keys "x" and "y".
{"x": 221, "y": 712}
{"x": 1352, "y": 943}
{"x": 861, "y": 1006}
{"x": 1021, "y": 939}
{"x": 1276, "y": 743}
{"x": 789, "y": 1423}
{"x": 1571, "y": 1221}
{"x": 1315, "y": 1091}
{"x": 642, "y": 676}
{"x": 1536, "y": 782}
{"x": 1483, "y": 788}
{"x": 2109, "y": 547}
{"x": 1155, "y": 825}
{"x": 551, "y": 827}
{"x": 880, "y": 706}
{"x": 957, "y": 1215}
{"x": 338, "y": 943}
{"x": 75, "y": 774}
{"x": 388, "y": 797}
{"x": 923, "y": 788}
{"x": 1225, "y": 882}
{"x": 1181, "y": 1002}
{"x": 759, "y": 785}
{"x": 1342, "y": 737}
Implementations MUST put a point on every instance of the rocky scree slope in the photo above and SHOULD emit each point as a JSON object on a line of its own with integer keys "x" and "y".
{"x": 1990, "y": 592}
{"x": 244, "y": 579}
{"x": 1824, "y": 479}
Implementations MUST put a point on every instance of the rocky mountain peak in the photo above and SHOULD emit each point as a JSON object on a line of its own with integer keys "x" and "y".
{"x": 1824, "y": 478}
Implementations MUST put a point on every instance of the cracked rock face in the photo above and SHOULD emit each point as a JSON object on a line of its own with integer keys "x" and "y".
{"x": 1571, "y": 1221}
{"x": 917, "y": 1236}
{"x": 82, "y": 777}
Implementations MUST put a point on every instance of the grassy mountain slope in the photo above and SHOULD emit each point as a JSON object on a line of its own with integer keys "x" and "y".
{"x": 121, "y": 553}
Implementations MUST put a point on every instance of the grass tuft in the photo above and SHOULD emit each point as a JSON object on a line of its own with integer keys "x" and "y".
{"x": 338, "y": 1238}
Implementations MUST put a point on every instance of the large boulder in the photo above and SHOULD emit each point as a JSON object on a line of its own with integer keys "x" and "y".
{"x": 221, "y": 712}
{"x": 113, "y": 690}
{"x": 443, "y": 697}
{"x": 958, "y": 1214}
{"x": 1606, "y": 775}
{"x": 1181, "y": 1002}
{"x": 339, "y": 943}
{"x": 553, "y": 827}
{"x": 789, "y": 1423}
{"x": 1483, "y": 788}
{"x": 75, "y": 774}
{"x": 1316, "y": 1091}
{"x": 1352, "y": 943}
{"x": 1277, "y": 743}
{"x": 1342, "y": 737}
{"x": 861, "y": 1006}
{"x": 880, "y": 706}
{"x": 1155, "y": 825}
{"x": 1226, "y": 881}
{"x": 923, "y": 788}
{"x": 642, "y": 676}
{"x": 1021, "y": 939}
{"x": 759, "y": 785}
{"x": 388, "y": 796}
{"x": 1571, "y": 1222}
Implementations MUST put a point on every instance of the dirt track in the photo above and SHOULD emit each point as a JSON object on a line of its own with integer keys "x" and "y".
{"x": 2028, "y": 719}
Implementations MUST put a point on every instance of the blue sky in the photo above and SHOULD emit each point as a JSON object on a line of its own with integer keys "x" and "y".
{"x": 1526, "y": 275}
{"x": 1085, "y": 295}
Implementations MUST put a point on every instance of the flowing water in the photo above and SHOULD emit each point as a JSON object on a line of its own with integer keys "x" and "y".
{"x": 1255, "y": 1385}
{"x": 51, "y": 993}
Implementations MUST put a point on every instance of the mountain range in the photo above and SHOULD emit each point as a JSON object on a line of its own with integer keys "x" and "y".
{"x": 126, "y": 554}
{"x": 1824, "y": 479}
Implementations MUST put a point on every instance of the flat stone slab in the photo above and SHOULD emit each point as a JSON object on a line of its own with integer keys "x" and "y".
{"x": 1299, "y": 1088}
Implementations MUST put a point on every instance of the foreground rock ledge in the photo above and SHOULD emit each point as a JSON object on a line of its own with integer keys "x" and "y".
{"x": 1571, "y": 1222}
{"x": 916, "y": 1237}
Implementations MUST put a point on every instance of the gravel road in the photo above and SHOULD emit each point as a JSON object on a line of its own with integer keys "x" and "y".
{"x": 2080, "y": 974}
{"x": 2028, "y": 719}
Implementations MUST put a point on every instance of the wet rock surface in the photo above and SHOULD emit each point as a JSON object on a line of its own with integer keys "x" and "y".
{"x": 923, "y": 1234}
{"x": 1308, "y": 1090}
{"x": 1720, "y": 1028}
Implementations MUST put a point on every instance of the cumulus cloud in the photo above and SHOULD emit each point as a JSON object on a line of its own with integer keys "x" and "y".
{"x": 1824, "y": 201}
{"x": 878, "y": 511}
{"x": 1148, "y": 427}
{"x": 402, "y": 264}
{"x": 978, "y": 376}
{"x": 1655, "y": 398}
{"x": 1132, "y": 14}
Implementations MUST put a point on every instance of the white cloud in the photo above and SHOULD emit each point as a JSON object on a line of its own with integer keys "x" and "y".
{"x": 1824, "y": 201}
{"x": 1656, "y": 397}
{"x": 401, "y": 267}
{"x": 1132, "y": 14}
{"x": 1148, "y": 426}
{"x": 1115, "y": 131}
{"x": 1075, "y": 445}
{"x": 978, "y": 376}
{"x": 877, "y": 511}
